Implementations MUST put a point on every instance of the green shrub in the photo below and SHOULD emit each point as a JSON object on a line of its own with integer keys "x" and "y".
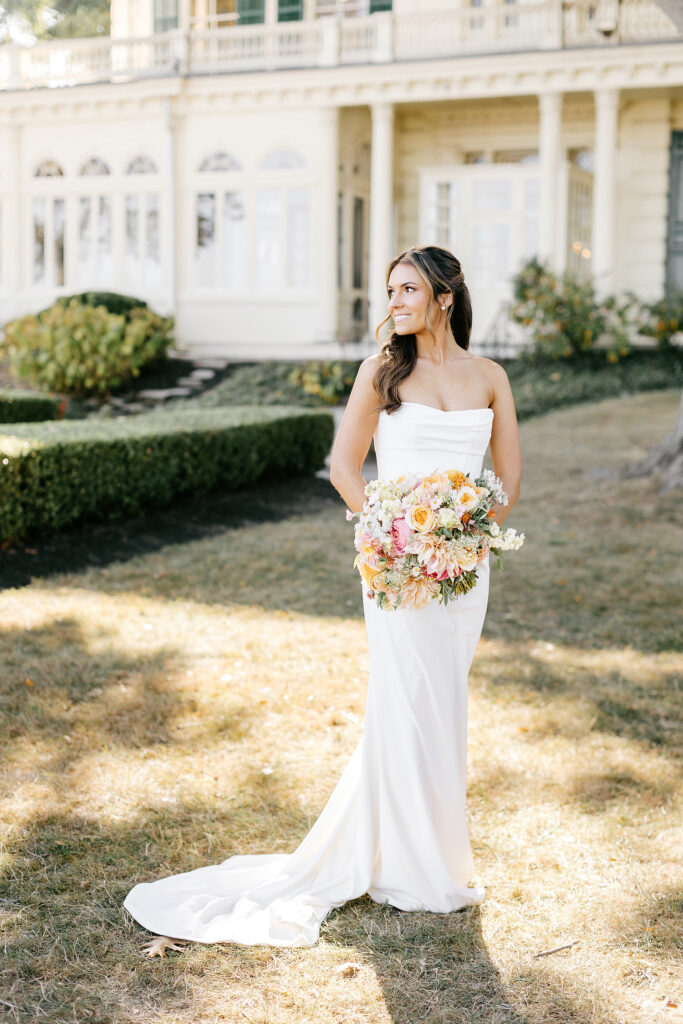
{"x": 53, "y": 474}
{"x": 81, "y": 349}
{"x": 329, "y": 380}
{"x": 19, "y": 406}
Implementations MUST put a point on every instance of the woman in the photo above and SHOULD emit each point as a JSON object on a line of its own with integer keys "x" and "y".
{"x": 395, "y": 825}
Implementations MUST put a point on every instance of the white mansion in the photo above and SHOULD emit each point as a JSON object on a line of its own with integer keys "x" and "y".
{"x": 251, "y": 166}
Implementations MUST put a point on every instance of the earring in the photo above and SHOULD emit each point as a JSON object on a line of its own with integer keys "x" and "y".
{"x": 443, "y": 307}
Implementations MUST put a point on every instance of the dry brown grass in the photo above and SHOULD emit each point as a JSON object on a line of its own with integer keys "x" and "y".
{"x": 142, "y": 703}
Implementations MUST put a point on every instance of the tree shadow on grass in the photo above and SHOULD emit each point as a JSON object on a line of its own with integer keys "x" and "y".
{"x": 576, "y": 698}
{"x": 53, "y": 684}
{"x": 72, "y": 952}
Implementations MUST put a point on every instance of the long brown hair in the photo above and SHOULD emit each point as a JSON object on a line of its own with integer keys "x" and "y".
{"x": 443, "y": 275}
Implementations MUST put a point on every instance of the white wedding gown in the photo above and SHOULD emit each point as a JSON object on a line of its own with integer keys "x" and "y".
{"x": 395, "y": 825}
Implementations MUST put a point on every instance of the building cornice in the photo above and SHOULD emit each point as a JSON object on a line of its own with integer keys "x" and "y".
{"x": 643, "y": 66}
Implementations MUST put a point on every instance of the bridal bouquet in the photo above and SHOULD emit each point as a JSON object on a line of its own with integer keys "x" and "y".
{"x": 421, "y": 537}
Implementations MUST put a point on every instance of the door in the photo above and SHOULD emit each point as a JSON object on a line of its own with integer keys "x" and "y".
{"x": 488, "y": 216}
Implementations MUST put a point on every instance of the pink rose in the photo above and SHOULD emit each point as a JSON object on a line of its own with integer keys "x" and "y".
{"x": 400, "y": 532}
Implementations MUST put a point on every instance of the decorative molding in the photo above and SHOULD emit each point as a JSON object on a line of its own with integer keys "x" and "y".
{"x": 488, "y": 77}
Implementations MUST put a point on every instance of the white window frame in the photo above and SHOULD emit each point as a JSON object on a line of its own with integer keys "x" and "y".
{"x": 250, "y": 183}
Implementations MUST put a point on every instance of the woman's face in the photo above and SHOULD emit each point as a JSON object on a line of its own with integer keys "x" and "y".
{"x": 407, "y": 299}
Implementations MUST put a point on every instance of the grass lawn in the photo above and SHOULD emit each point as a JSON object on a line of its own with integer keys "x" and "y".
{"x": 172, "y": 709}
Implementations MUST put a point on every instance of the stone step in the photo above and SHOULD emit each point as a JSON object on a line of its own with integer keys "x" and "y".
{"x": 161, "y": 394}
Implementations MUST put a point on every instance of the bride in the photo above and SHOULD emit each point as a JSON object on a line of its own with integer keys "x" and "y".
{"x": 395, "y": 826}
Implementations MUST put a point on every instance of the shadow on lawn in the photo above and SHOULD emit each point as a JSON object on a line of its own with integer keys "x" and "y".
{"x": 431, "y": 967}
{"x": 73, "y": 953}
{"x": 54, "y": 683}
{"x": 577, "y": 699}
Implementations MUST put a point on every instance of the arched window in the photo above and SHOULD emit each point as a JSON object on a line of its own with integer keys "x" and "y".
{"x": 142, "y": 165}
{"x": 94, "y": 166}
{"x": 95, "y": 257}
{"x": 219, "y": 162}
{"x": 142, "y": 215}
{"x": 48, "y": 169}
{"x": 47, "y": 227}
{"x": 221, "y": 241}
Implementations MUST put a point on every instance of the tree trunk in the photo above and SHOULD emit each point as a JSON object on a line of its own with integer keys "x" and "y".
{"x": 665, "y": 458}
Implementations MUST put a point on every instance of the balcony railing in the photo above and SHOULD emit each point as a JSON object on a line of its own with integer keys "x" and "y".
{"x": 331, "y": 41}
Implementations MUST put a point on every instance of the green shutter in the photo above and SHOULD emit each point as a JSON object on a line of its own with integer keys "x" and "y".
{"x": 290, "y": 10}
{"x": 165, "y": 15}
{"x": 379, "y": 5}
{"x": 250, "y": 12}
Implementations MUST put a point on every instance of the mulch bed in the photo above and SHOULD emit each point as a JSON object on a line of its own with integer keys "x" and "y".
{"x": 100, "y": 544}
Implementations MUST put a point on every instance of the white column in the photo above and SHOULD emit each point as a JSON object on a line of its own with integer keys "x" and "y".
{"x": 381, "y": 206}
{"x": 550, "y": 154}
{"x": 325, "y": 229}
{"x": 184, "y": 15}
{"x": 171, "y": 254}
{"x": 604, "y": 188}
{"x": 270, "y": 12}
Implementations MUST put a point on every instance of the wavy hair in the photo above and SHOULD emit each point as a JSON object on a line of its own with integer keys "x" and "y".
{"x": 443, "y": 275}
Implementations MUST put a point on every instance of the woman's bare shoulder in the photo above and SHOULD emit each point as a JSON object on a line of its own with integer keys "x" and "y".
{"x": 367, "y": 370}
{"x": 370, "y": 362}
{"x": 363, "y": 391}
{"x": 490, "y": 369}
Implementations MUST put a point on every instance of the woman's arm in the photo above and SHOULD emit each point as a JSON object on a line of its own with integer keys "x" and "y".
{"x": 506, "y": 450}
{"x": 352, "y": 441}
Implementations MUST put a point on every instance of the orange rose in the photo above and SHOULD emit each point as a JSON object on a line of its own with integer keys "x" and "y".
{"x": 435, "y": 478}
{"x": 421, "y": 518}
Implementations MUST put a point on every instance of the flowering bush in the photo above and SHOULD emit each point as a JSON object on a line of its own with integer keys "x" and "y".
{"x": 564, "y": 315}
{"x": 328, "y": 380}
{"x": 83, "y": 349}
{"x": 663, "y": 319}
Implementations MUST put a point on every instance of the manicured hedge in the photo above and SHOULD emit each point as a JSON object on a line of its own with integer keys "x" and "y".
{"x": 53, "y": 474}
{"x": 18, "y": 406}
